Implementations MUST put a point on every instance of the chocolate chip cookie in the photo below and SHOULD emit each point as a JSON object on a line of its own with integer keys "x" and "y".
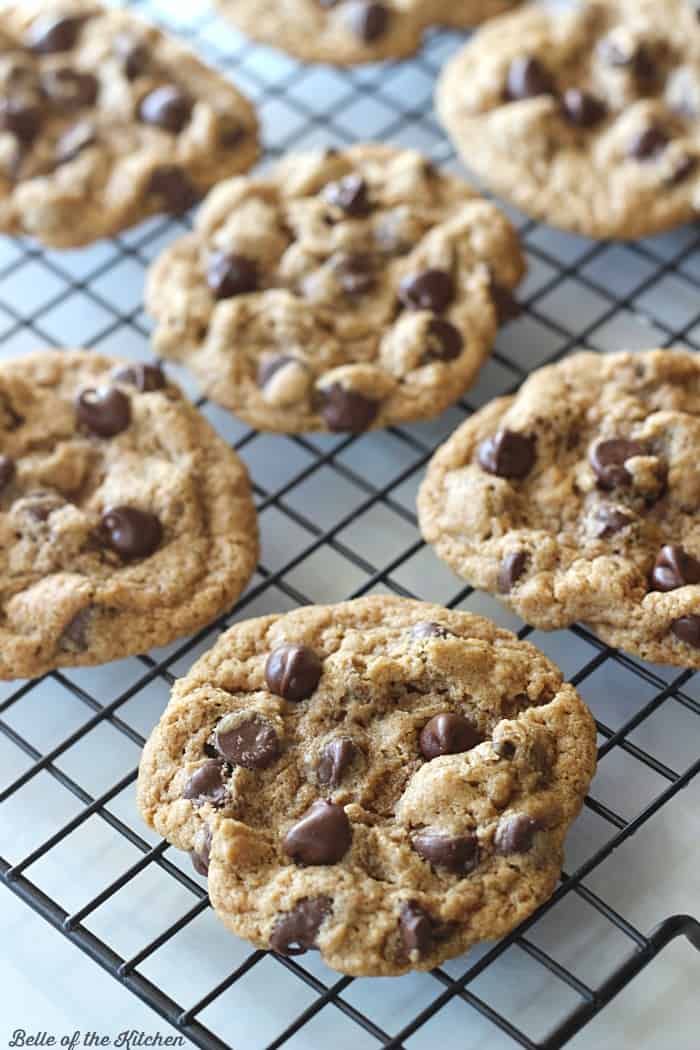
{"x": 578, "y": 499}
{"x": 125, "y": 521}
{"x": 104, "y": 121}
{"x": 348, "y": 32}
{"x": 341, "y": 292}
{"x": 587, "y": 118}
{"x": 384, "y": 780}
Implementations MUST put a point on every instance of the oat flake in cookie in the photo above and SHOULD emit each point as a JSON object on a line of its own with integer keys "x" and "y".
{"x": 342, "y": 292}
{"x": 383, "y": 780}
{"x": 587, "y": 118}
{"x": 125, "y": 521}
{"x": 578, "y": 499}
{"x": 347, "y": 32}
{"x": 104, "y": 121}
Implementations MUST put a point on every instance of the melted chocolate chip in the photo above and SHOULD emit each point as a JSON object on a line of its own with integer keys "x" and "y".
{"x": 173, "y": 187}
{"x": 416, "y": 928}
{"x": 447, "y": 734}
{"x": 7, "y": 471}
{"x": 507, "y": 454}
{"x": 687, "y": 629}
{"x": 296, "y": 931}
{"x": 507, "y": 306}
{"x": 322, "y": 836}
{"x": 70, "y": 89}
{"x": 355, "y": 274}
{"x": 648, "y": 143}
{"x": 200, "y": 856}
{"x": 207, "y": 784}
{"x": 512, "y": 568}
{"x": 582, "y": 108}
{"x": 252, "y": 744}
{"x": 608, "y": 457}
{"x": 445, "y": 342}
{"x": 74, "y": 141}
{"x": 168, "y": 108}
{"x": 231, "y": 133}
{"x": 346, "y": 410}
{"x": 135, "y": 56}
{"x": 432, "y": 290}
{"x": 428, "y": 629}
{"x": 74, "y": 637}
{"x": 683, "y": 167}
{"x": 350, "y": 194}
{"x": 230, "y": 275}
{"x": 130, "y": 532}
{"x": 336, "y": 757}
{"x": 146, "y": 378}
{"x": 104, "y": 412}
{"x": 368, "y": 21}
{"x": 515, "y": 833}
{"x": 293, "y": 672}
{"x": 458, "y": 854}
{"x": 50, "y": 34}
{"x": 21, "y": 117}
{"x": 674, "y": 568}
{"x": 528, "y": 78}
{"x": 608, "y": 520}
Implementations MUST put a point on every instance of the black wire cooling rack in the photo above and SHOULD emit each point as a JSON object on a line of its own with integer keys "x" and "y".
{"x": 337, "y": 516}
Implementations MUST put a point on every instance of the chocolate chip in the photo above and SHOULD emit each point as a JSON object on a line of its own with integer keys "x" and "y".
{"x": 336, "y": 757}
{"x": 231, "y": 133}
{"x": 22, "y": 118}
{"x": 674, "y": 568}
{"x": 7, "y": 471}
{"x": 131, "y": 532}
{"x": 608, "y": 457}
{"x": 172, "y": 185}
{"x": 458, "y": 854}
{"x": 504, "y": 748}
{"x": 70, "y": 89}
{"x": 207, "y": 784}
{"x": 230, "y": 275}
{"x": 528, "y": 78}
{"x": 146, "y": 378}
{"x": 608, "y": 520}
{"x": 368, "y": 21}
{"x": 512, "y": 568}
{"x": 350, "y": 194}
{"x": 200, "y": 857}
{"x": 74, "y": 637}
{"x": 636, "y": 57}
{"x": 296, "y": 931}
{"x": 355, "y": 274}
{"x": 74, "y": 141}
{"x": 687, "y": 629}
{"x": 167, "y": 107}
{"x": 444, "y": 341}
{"x": 322, "y": 836}
{"x": 515, "y": 833}
{"x": 507, "y": 306}
{"x": 447, "y": 734}
{"x": 416, "y": 928}
{"x": 429, "y": 290}
{"x": 105, "y": 412}
{"x": 582, "y": 108}
{"x": 252, "y": 744}
{"x": 428, "y": 629}
{"x": 346, "y": 410}
{"x": 293, "y": 672}
{"x": 648, "y": 143}
{"x": 683, "y": 167}
{"x": 49, "y": 34}
{"x": 135, "y": 56}
{"x": 507, "y": 454}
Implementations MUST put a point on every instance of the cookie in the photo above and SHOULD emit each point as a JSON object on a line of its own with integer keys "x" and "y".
{"x": 348, "y": 32}
{"x": 578, "y": 499}
{"x": 125, "y": 521}
{"x": 342, "y": 292}
{"x": 104, "y": 121}
{"x": 384, "y": 780}
{"x": 589, "y": 118}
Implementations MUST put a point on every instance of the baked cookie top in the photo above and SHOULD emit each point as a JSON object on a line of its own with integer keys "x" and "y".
{"x": 587, "y": 118}
{"x": 385, "y": 780}
{"x": 342, "y": 291}
{"x": 104, "y": 120}
{"x": 348, "y": 32}
{"x": 125, "y": 521}
{"x": 578, "y": 499}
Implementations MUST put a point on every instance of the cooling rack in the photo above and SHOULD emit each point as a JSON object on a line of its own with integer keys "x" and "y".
{"x": 338, "y": 520}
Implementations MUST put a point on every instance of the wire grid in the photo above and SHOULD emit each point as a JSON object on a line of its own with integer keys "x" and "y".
{"x": 338, "y": 520}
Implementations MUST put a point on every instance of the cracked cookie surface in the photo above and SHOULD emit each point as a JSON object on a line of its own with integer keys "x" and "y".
{"x": 105, "y": 120}
{"x": 578, "y": 499}
{"x": 125, "y": 521}
{"x": 344, "y": 291}
{"x": 588, "y": 119}
{"x": 348, "y": 32}
{"x": 384, "y": 780}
